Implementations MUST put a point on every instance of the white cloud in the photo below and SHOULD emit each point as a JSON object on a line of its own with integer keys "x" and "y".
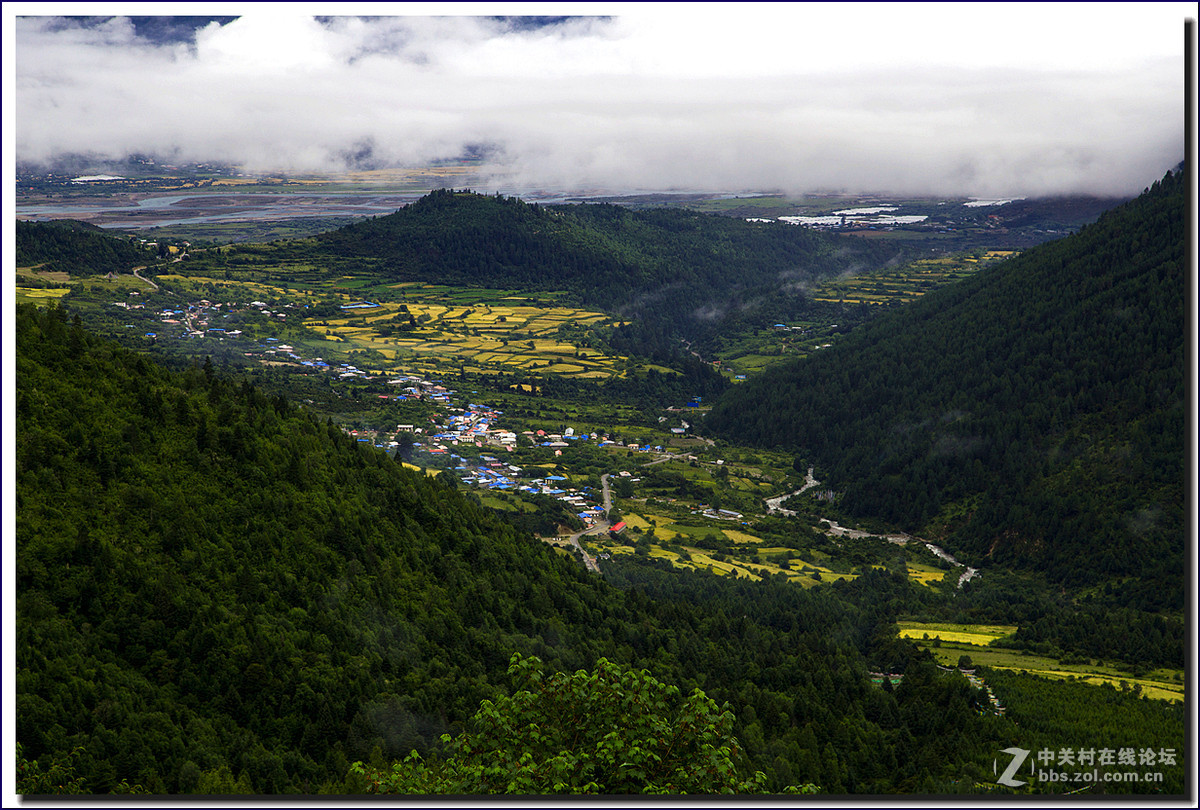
{"x": 1005, "y": 99}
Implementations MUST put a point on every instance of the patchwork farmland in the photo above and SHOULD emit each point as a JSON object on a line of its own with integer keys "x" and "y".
{"x": 481, "y": 331}
{"x": 907, "y": 283}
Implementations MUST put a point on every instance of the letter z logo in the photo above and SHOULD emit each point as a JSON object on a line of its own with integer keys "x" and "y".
{"x": 1018, "y": 759}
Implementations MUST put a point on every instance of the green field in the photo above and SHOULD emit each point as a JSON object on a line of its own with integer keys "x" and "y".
{"x": 956, "y": 640}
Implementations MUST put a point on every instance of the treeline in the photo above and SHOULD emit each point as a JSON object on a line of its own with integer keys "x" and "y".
{"x": 1033, "y": 415}
{"x": 77, "y": 248}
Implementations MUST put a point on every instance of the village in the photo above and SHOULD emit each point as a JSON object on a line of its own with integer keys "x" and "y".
{"x": 436, "y": 444}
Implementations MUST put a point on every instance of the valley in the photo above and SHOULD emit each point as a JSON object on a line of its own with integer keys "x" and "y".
{"x": 550, "y": 387}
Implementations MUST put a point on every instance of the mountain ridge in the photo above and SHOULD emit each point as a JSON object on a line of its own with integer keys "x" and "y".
{"x": 1057, "y": 371}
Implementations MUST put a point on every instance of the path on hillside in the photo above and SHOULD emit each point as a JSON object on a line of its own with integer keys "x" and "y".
{"x": 143, "y": 278}
{"x": 588, "y": 560}
{"x": 667, "y": 457}
{"x": 775, "y": 505}
{"x": 600, "y": 528}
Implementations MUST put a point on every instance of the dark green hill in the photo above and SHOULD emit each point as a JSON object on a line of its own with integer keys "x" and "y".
{"x": 1034, "y": 415}
{"x": 695, "y": 273}
{"x": 77, "y": 248}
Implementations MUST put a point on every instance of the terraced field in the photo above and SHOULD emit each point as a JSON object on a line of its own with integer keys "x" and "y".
{"x": 419, "y": 327}
{"x": 907, "y": 283}
{"x": 487, "y": 330}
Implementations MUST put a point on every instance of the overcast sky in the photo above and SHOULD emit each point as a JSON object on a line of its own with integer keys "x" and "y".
{"x": 971, "y": 99}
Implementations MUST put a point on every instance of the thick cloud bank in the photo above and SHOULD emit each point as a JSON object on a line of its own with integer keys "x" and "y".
{"x": 1005, "y": 99}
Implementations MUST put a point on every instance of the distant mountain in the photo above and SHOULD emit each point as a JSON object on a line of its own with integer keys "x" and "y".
{"x": 1033, "y": 415}
{"x": 695, "y": 273}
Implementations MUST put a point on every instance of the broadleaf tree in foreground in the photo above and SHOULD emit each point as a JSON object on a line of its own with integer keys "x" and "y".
{"x": 611, "y": 731}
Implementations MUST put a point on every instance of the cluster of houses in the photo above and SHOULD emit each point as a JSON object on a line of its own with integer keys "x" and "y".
{"x": 193, "y": 320}
{"x": 475, "y": 424}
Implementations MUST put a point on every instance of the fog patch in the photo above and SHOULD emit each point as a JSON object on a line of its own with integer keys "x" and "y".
{"x": 1145, "y": 520}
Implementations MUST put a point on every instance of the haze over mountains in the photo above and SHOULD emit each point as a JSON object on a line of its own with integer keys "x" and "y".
{"x": 299, "y": 490}
{"x": 1027, "y": 102}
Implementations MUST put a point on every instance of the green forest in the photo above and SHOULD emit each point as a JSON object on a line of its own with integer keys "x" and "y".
{"x": 1034, "y": 415}
{"x": 220, "y": 591}
{"x": 71, "y": 246}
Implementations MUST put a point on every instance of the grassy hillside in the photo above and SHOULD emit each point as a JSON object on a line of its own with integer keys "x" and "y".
{"x": 1033, "y": 415}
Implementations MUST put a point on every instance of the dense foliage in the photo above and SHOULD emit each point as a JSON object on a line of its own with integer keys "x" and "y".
{"x": 218, "y": 594}
{"x": 74, "y": 247}
{"x": 1033, "y": 415}
{"x": 209, "y": 578}
{"x": 611, "y": 731}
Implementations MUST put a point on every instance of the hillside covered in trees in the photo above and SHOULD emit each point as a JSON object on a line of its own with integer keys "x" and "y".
{"x": 690, "y": 275}
{"x": 219, "y": 594}
{"x": 1034, "y": 415}
{"x": 77, "y": 248}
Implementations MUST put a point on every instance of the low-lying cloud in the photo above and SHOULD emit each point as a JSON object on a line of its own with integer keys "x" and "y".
{"x": 787, "y": 96}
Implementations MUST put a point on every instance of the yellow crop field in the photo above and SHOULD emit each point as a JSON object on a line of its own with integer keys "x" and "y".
{"x": 739, "y": 537}
{"x": 925, "y": 574}
{"x": 977, "y": 634}
{"x": 637, "y": 521}
{"x": 947, "y": 635}
{"x": 37, "y": 292}
{"x": 33, "y": 295}
{"x": 1151, "y": 689}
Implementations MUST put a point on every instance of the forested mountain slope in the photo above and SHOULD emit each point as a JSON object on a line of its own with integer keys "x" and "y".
{"x": 1033, "y": 415}
{"x": 218, "y": 594}
{"x": 214, "y": 587}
